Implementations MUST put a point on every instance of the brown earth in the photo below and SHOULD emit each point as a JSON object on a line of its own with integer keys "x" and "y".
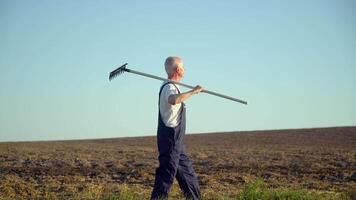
{"x": 320, "y": 158}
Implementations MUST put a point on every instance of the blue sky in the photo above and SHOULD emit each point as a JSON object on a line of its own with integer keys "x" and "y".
{"x": 293, "y": 61}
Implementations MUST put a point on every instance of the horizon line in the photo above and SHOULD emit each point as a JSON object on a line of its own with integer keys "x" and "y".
{"x": 196, "y": 133}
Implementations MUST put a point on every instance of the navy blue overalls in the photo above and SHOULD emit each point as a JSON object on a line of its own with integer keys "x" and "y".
{"x": 173, "y": 160}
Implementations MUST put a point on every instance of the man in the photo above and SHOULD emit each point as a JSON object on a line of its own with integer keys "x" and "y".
{"x": 173, "y": 160}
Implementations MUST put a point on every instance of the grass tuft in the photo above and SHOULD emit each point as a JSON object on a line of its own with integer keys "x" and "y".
{"x": 258, "y": 190}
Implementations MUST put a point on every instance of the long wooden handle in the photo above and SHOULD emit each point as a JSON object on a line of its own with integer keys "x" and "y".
{"x": 185, "y": 85}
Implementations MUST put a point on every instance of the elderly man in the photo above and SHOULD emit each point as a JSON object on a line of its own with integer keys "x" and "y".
{"x": 173, "y": 160}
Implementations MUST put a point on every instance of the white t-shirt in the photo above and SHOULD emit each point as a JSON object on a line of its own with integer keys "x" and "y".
{"x": 170, "y": 113}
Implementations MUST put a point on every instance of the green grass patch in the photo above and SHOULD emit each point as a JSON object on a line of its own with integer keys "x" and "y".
{"x": 258, "y": 190}
{"x": 254, "y": 190}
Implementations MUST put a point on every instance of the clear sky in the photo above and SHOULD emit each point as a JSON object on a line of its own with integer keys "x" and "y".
{"x": 293, "y": 61}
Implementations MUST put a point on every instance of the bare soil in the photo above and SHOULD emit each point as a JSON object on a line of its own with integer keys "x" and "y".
{"x": 320, "y": 159}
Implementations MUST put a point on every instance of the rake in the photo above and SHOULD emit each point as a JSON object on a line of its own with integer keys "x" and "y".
{"x": 123, "y": 69}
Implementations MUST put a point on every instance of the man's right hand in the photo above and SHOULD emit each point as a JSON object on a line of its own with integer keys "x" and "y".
{"x": 198, "y": 89}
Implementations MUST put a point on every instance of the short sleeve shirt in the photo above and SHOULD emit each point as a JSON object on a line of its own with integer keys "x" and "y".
{"x": 170, "y": 114}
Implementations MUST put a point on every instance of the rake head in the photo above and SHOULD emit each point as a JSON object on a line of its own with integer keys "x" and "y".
{"x": 118, "y": 71}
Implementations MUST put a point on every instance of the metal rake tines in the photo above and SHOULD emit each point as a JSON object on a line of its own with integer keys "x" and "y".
{"x": 118, "y": 71}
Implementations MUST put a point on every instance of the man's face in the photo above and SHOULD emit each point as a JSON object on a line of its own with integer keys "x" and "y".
{"x": 180, "y": 69}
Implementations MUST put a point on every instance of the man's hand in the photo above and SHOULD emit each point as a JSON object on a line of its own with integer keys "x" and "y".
{"x": 198, "y": 89}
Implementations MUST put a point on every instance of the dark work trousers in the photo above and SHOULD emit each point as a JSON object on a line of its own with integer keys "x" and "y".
{"x": 173, "y": 160}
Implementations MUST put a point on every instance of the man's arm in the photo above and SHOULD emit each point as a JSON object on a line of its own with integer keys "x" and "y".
{"x": 179, "y": 98}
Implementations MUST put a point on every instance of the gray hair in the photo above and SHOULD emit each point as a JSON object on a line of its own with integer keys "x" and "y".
{"x": 170, "y": 64}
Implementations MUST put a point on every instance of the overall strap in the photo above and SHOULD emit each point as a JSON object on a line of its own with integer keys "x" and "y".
{"x": 160, "y": 91}
{"x": 159, "y": 98}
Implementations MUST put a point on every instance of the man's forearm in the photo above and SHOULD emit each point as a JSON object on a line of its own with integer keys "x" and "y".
{"x": 179, "y": 98}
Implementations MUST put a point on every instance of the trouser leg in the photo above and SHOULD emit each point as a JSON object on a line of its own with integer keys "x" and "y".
{"x": 165, "y": 174}
{"x": 187, "y": 179}
{"x": 169, "y": 153}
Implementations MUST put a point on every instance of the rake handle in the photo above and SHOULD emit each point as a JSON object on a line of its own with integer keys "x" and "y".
{"x": 185, "y": 85}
